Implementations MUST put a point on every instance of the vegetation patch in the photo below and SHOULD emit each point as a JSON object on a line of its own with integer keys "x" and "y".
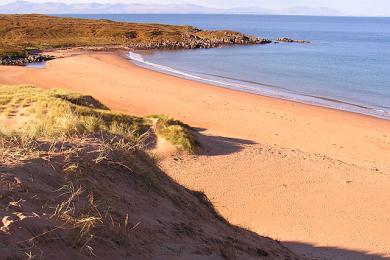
{"x": 20, "y": 34}
{"x": 176, "y": 132}
{"x": 11, "y": 52}
{"x": 102, "y": 197}
{"x": 35, "y": 113}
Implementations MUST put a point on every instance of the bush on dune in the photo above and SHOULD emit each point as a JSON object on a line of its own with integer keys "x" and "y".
{"x": 175, "y": 131}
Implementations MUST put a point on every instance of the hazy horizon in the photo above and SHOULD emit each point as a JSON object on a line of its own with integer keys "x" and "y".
{"x": 379, "y": 8}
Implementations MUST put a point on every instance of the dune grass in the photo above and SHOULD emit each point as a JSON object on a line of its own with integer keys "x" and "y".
{"x": 56, "y": 113}
{"x": 175, "y": 132}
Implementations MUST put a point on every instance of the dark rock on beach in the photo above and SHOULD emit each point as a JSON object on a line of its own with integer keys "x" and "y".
{"x": 21, "y": 61}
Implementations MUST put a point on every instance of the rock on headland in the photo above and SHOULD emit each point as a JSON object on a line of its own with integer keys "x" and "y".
{"x": 193, "y": 41}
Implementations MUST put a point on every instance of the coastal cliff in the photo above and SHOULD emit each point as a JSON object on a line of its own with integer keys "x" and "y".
{"x": 22, "y": 35}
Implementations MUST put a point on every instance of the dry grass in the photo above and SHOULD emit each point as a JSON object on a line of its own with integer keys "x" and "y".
{"x": 82, "y": 218}
{"x": 114, "y": 203}
{"x": 76, "y": 135}
{"x": 11, "y": 51}
{"x": 21, "y": 33}
{"x": 175, "y": 132}
{"x": 57, "y": 113}
{"x": 78, "y": 202}
{"x": 100, "y": 195}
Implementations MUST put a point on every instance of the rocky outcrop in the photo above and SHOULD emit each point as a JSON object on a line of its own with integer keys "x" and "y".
{"x": 20, "y": 34}
{"x": 21, "y": 61}
{"x": 285, "y": 39}
{"x": 193, "y": 41}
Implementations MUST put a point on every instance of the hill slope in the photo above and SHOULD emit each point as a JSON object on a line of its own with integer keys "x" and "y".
{"x": 99, "y": 194}
{"x": 21, "y": 33}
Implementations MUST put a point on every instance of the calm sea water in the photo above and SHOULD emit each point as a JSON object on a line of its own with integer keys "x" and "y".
{"x": 347, "y": 65}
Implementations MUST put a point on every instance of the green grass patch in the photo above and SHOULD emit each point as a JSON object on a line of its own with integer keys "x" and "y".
{"x": 175, "y": 131}
{"x": 59, "y": 113}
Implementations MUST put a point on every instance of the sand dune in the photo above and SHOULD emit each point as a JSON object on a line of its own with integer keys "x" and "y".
{"x": 309, "y": 176}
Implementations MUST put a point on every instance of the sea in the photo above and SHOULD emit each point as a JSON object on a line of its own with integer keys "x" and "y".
{"x": 346, "y": 66}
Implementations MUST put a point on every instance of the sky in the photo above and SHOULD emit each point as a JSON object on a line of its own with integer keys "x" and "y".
{"x": 347, "y": 7}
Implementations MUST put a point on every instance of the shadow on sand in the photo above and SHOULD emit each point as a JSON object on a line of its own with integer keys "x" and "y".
{"x": 310, "y": 251}
{"x": 218, "y": 145}
{"x": 209, "y": 145}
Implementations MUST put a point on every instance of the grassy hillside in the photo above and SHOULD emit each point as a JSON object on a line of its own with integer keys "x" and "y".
{"x": 19, "y": 33}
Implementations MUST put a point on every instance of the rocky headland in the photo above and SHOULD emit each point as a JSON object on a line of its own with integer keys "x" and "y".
{"x": 192, "y": 41}
{"x": 24, "y": 36}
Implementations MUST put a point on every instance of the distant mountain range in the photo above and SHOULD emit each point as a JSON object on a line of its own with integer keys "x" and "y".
{"x": 23, "y": 7}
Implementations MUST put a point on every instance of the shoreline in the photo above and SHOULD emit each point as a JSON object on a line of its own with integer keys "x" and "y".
{"x": 123, "y": 55}
{"x": 118, "y": 61}
{"x": 293, "y": 171}
{"x": 136, "y": 57}
{"x": 118, "y": 58}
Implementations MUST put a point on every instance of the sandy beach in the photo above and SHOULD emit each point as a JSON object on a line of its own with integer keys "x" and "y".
{"x": 317, "y": 179}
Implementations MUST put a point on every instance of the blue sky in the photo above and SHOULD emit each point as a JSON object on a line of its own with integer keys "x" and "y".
{"x": 348, "y": 7}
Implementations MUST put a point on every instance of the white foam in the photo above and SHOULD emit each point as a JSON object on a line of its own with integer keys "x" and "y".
{"x": 138, "y": 58}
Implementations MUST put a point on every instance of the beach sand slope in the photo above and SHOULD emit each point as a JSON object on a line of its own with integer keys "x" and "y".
{"x": 317, "y": 179}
